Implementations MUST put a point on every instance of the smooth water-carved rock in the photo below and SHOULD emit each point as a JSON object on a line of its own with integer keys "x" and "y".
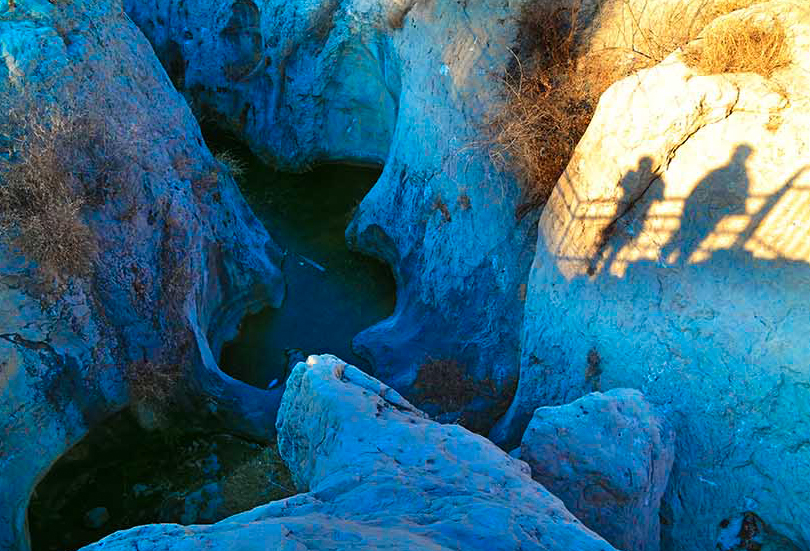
{"x": 675, "y": 247}
{"x": 179, "y": 258}
{"x": 379, "y": 475}
{"x": 608, "y": 457}
{"x": 407, "y": 84}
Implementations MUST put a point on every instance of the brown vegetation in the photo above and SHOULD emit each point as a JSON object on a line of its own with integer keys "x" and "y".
{"x": 261, "y": 479}
{"x": 42, "y": 195}
{"x": 551, "y": 93}
{"x": 447, "y": 384}
{"x": 556, "y": 79}
{"x": 154, "y": 381}
{"x": 59, "y": 162}
{"x": 752, "y": 44}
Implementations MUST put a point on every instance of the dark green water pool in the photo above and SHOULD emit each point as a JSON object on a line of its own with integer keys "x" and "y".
{"x": 121, "y": 475}
{"x": 332, "y": 293}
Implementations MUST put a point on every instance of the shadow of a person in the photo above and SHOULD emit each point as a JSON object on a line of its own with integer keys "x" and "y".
{"x": 722, "y": 192}
{"x": 638, "y": 183}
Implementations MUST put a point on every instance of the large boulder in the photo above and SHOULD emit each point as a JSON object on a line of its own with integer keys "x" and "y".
{"x": 171, "y": 255}
{"x": 403, "y": 83}
{"x": 379, "y": 475}
{"x": 673, "y": 257}
{"x": 608, "y": 457}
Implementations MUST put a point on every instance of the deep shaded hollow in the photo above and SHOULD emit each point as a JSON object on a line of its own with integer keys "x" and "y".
{"x": 332, "y": 292}
{"x": 121, "y": 475}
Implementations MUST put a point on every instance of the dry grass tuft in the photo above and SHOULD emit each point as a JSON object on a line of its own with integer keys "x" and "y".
{"x": 261, "y": 479}
{"x": 152, "y": 382}
{"x": 235, "y": 166}
{"x": 749, "y": 45}
{"x": 722, "y": 7}
{"x": 551, "y": 93}
{"x": 554, "y": 84}
{"x": 59, "y": 163}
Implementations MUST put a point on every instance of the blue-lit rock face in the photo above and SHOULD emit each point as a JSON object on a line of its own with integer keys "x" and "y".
{"x": 377, "y": 474}
{"x": 608, "y": 458}
{"x": 345, "y": 81}
{"x": 673, "y": 258}
{"x": 180, "y": 256}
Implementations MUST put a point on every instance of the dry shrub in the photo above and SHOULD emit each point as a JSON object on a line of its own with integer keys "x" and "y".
{"x": 445, "y": 382}
{"x": 654, "y": 32}
{"x": 261, "y": 479}
{"x": 152, "y": 382}
{"x": 722, "y": 7}
{"x": 59, "y": 163}
{"x": 551, "y": 94}
{"x": 752, "y": 44}
{"x": 155, "y": 380}
{"x": 234, "y": 165}
{"x": 554, "y": 84}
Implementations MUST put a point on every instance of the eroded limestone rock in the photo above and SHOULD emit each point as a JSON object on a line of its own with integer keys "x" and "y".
{"x": 608, "y": 458}
{"x": 404, "y": 83}
{"x": 379, "y": 475}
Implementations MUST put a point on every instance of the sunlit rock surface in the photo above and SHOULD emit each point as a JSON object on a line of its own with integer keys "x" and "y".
{"x": 378, "y": 475}
{"x": 673, "y": 257}
{"x": 177, "y": 233}
{"x": 607, "y": 457}
{"x": 402, "y": 83}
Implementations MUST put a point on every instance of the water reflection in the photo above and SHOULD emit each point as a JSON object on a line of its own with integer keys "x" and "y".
{"x": 332, "y": 293}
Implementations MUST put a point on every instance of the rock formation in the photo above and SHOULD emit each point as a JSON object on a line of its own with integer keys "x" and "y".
{"x": 178, "y": 256}
{"x": 378, "y": 474}
{"x": 402, "y": 83}
{"x": 607, "y": 457}
{"x": 673, "y": 257}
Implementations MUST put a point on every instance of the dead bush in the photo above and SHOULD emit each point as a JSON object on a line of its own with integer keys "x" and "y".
{"x": 152, "y": 382}
{"x": 259, "y": 480}
{"x": 748, "y": 45}
{"x": 654, "y": 32}
{"x": 58, "y": 164}
{"x": 445, "y": 383}
{"x": 552, "y": 87}
{"x": 234, "y": 165}
{"x": 722, "y": 7}
{"x": 155, "y": 380}
{"x": 551, "y": 91}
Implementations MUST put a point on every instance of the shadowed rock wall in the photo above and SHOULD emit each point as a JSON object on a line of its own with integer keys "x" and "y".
{"x": 180, "y": 257}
